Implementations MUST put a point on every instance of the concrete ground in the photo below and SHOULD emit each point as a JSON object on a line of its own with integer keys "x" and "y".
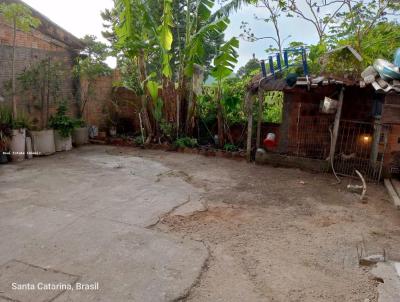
{"x": 159, "y": 226}
{"x": 83, "y": 217}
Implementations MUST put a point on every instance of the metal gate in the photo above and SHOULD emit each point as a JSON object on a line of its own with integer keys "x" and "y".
{"x": 360, "y": 146}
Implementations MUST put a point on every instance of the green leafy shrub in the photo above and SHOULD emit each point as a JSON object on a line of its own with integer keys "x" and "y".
{"x": 22, "y": 122}
{"x": 6, "y": 115}
{"x": 186, "y": 142}
{"x": 230, "y": 148}
{"x": 5, "y": 127}
{"x": 79, "y": 123}
{"x": 139, "y": 140}
{"x": 61, "y": 122}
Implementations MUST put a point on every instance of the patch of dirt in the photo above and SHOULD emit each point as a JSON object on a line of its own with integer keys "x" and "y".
{"x": 281, "y": 234}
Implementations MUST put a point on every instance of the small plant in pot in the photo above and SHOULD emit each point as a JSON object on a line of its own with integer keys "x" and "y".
{"x": 20, "y": 124}
{"x": 80, "y": 134}
{"x": 63, "y": 126}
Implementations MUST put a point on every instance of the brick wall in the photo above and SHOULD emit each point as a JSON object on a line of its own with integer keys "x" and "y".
{"x": 107, "y": 106}
{"x": 33, "y": 47}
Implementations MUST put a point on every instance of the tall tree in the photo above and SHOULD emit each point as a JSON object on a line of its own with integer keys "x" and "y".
{"x": 89, "y": 66}
{"x": 274, "y": 9}
{"x": 20, "y": 17}
{"x": 180, "y": 42}
{"x": 320, "y": 13}
{"x": 360, "y": 17}
{"x": 224, "y": 63}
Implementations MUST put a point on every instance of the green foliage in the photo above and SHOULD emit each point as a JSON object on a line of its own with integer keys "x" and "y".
{"x": 273, "y": 105}
{"x": 62, "y": 122}
{"x": 91, "y": 64}
{"x": 5, "y": 127}
{"x": 230, "y": 148}
{"x": 251, "y": 66}
{"x": 79, "y": 123}
{"x": 7, "y": 120}
{"x": 42, "y": 78}
{"x": 166, "y": 38}
{"x": 138, "y": 140}
{"x": 186, "y": 142}
{"x": 226, "y": 59}
{"x": 168, "y": 130}
{"x": 19, "y": 15}
{"x": 22, "y": 121}
{"x": 6, "y": 115}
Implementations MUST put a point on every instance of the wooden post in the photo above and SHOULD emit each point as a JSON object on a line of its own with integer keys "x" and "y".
{"x": 375, "y": 141}
{"x": 249, "y": 105}
{"x": 260, "y": 115}
{"x": 336, "y": 125}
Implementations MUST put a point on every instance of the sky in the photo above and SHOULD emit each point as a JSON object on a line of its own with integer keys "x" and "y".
{"x": 81, "y": 17}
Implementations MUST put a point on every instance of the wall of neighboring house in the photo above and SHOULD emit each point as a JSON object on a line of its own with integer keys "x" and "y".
{"x": 32, "y": 48}
{"x": 391, "y": 117}
{"x": 107, "y": 106}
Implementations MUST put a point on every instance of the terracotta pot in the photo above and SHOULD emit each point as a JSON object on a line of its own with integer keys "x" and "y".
{"x": 80, "y": 136}
{"x": 17, "y": 145}
{"x": 62, "y": 143}
{"x": 43, "y": 142}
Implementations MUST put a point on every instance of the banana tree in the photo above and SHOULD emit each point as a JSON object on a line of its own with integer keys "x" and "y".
{"x": 201, "y": 26}
{"x": 224, "y": 63}
{"x": 139, "y": 36}
{"x": 142, "y": 38}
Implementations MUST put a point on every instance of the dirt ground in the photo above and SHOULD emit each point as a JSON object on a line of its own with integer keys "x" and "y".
{"x": 277, "y": 234}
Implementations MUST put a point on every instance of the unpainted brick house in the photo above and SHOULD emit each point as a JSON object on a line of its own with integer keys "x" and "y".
{"x": 368, "y": 137}
{"x": 49, "y": 42}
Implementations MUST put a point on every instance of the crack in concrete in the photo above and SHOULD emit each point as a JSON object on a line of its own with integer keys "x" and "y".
{"x": 166, "y": 214}
{"x": 206, "y": 265}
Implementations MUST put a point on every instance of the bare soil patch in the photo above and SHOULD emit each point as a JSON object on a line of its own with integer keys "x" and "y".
{"x": 280, "y": 234}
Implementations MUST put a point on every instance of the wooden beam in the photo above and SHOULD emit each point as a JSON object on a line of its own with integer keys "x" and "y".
{"x": 392, "y": 193}
{"x": 260, "y": 116}
{"x": 249, "y": 105}
{"x": 336, "y": 125}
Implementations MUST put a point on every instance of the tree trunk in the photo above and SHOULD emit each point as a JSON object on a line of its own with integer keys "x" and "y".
{"x": 143, "y": 98}
{"x": 14, "y": 97}
{"x": 220, "y": 118}
{"x": 48, "y": 93}
{"x": 260, "y": 116}
{"x": 190, "y": 112}
{"x": 249, "y": 105}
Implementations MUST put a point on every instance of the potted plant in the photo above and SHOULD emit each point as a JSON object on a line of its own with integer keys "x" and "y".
{"x": 63, "y": 126}
{"x": 80, "y": 133}
{"x": 18, "y": 141}
{"x": 5, "y": 133}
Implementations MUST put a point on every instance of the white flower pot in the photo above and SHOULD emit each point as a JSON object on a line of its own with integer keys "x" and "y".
{"x": 17, "y": 145}
{"x": 43, "y": 142}
{"x": 62, "y": 143}
{"x": 80, "y": 136}
{"x": 29, "y": 150}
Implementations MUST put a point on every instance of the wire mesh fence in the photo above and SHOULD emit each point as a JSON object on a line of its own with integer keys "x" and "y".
{"x": 360, "y": 146}
{"x": 310, "y": 137}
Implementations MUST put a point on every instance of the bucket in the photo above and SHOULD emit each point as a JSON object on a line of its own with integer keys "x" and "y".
{"x": 270, "y": 140}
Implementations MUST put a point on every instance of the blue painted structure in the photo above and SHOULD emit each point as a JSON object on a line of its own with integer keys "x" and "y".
{"x": 277, "y": 57}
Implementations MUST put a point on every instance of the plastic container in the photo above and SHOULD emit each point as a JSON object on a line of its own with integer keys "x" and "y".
{"x": 62, "y": 143}
{"x": 17, "y": 145}
{"x": 270, "y": 141}
{"x": 43, "y": 142}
